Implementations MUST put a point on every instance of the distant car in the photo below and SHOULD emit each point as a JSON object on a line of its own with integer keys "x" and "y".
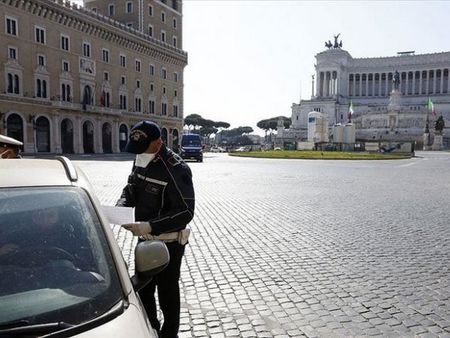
{"x": 217, "y": 150}
{"x": 62, "y": 270}
{"x": 191, "y": 147}
{"x": 241, "y": 149}
{"x": 277, "y": 148}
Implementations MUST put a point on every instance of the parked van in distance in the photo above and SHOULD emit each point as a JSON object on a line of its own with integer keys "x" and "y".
{"x": 191, "y": 147}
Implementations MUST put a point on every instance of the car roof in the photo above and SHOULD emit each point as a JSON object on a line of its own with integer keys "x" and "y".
{"x": 37, "y": 172}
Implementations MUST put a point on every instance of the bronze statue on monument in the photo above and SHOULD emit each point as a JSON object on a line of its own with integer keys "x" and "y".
{"x": 396, "y": 80}
{"x": 337, "y": 44}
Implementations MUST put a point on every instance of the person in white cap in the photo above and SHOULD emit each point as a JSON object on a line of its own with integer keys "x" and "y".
{"x": 9, "y": 147}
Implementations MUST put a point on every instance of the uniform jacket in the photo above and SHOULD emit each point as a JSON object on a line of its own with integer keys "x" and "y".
{"x": 162, "y": 193}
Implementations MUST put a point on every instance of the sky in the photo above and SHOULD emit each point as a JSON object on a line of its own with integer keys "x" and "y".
{"x": 249, "y": 60}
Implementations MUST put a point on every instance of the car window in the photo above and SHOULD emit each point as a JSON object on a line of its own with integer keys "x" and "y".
{"x": 55, "y": 263}
{"x": 189, "y": 141}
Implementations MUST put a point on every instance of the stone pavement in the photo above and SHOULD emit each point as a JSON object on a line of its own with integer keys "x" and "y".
{"x": 293, "y": 248}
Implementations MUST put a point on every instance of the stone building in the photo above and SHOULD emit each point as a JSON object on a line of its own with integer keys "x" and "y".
{"x": 368, "y": 84}
{"x": 75, "y": 79}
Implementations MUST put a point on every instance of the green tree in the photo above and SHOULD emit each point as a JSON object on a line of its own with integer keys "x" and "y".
{"x": 269, "y": 125}
{"x": 193, "y": 120}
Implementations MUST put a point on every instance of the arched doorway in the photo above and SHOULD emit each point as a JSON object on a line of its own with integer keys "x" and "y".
{"x": 14, "y": 126}
{"x": 175, "y": 141}
{"x": 88, "y": 137}
{"x": 67, "y": 136}
{"x": 123, "y": 137}
{"x": 164, "y": 135}
{"x": 42, "y": 135}
{"x": 106, "y": 138}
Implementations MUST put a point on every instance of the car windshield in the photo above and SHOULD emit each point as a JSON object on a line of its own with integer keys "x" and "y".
{"x": 55, "y": 263}
{"x": 190, "y": 142}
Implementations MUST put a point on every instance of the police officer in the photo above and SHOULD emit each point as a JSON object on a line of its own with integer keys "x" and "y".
{"x": 9, "y": 147}
{"x": 161, "y": 190}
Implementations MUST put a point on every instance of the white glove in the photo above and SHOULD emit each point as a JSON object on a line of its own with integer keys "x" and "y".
{"x": 138, "y": 228}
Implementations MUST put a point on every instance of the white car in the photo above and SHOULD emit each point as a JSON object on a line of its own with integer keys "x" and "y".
{"x": 243, "y": 149}
{"x": 61, "y": 270}
{"x": 217, "y": 150}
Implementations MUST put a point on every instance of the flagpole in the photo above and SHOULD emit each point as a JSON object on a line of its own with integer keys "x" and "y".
{"x": 427, "y": 125}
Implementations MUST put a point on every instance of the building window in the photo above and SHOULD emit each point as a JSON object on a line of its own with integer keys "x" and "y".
{"x": 174, "y": 41}
{"x": 111, "y": 9}
{"x": 65, "y": 42}
{"x": 105, "y": 55}
{"x": 12, "y": 53}
{"x": 175, "y": 77}
{"x": 13, "y": 84}
{"x": 163, "y": 108}
{"x": 175, "y": 110}
{"x": 163, "y": 17}
{"x": 105, "y": 99}
{"x": 138, "y": 84}
{"x": 150, "y": 10}
{"x": 105, "y": 76}
{"x": 174, "y": 23}
{"x": 137, "y": 104}
{"x": 129, "y": 7}
{"x": 150, "y": 30}
{"x": 65, "y": 66}
{"x": 86, "y": 49}
{"x": 94, "y": 9}
{"x": 123, "y": 60}
{"x": 41, "y": 88}
{"x": 123, "y": 101}
{"x": 41, "y": 60}
{"x": 11, "y": 26}
{"x": 175, "y": 93}
{"x": 164, "y": 73}
{"x": 40, "y": 35}
{"x": 138, "y": 65}
{"x": 123, "y": 80}
{"x": 66, "y": 93}
{"x": 130, "y": 24}
{"x": 151, "y": 106}
{"x": 163, "y": 36}
{"x": 151, "y": 70}
{"x": 151, "y": 87}
{"x": 164, "y": 90}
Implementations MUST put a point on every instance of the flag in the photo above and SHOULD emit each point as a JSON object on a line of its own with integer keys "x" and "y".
{"x": 430, "y": 107}
{"x": 350, "y": 111}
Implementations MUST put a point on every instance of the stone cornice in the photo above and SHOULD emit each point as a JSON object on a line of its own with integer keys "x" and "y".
{"x": 404, "y": 61}
{"x": 102, "y": 27}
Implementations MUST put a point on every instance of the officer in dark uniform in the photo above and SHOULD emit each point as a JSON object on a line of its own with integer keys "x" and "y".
{"x": 161, "y": 190}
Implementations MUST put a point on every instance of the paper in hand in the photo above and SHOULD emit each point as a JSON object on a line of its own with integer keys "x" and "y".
{"x": 118, "y": 215}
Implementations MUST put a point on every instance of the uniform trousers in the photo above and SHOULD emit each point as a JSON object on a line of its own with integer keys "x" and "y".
{"x": 166, "y": 283}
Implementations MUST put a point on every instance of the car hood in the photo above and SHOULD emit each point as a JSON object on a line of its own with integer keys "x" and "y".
{"x": 131, "y": 323}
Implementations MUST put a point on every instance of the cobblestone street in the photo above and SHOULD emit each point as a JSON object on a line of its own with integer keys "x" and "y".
{"x": 292, "y": 248}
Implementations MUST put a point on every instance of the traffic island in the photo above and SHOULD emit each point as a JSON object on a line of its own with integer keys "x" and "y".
{"x": 323, "y": 155}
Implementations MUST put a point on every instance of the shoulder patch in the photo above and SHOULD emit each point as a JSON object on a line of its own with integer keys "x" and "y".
{"x": 174, "y": 160}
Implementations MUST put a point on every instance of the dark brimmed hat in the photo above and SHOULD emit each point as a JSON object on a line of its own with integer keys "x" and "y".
{"x": 141, "y": 135}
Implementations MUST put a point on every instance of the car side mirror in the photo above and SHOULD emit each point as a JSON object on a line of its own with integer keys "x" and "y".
{"x": 150, "y": 258}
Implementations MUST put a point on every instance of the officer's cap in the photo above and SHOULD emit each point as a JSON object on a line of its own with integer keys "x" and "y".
{"x": 9, "y": 141}
{"x": 142, "y": 134}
